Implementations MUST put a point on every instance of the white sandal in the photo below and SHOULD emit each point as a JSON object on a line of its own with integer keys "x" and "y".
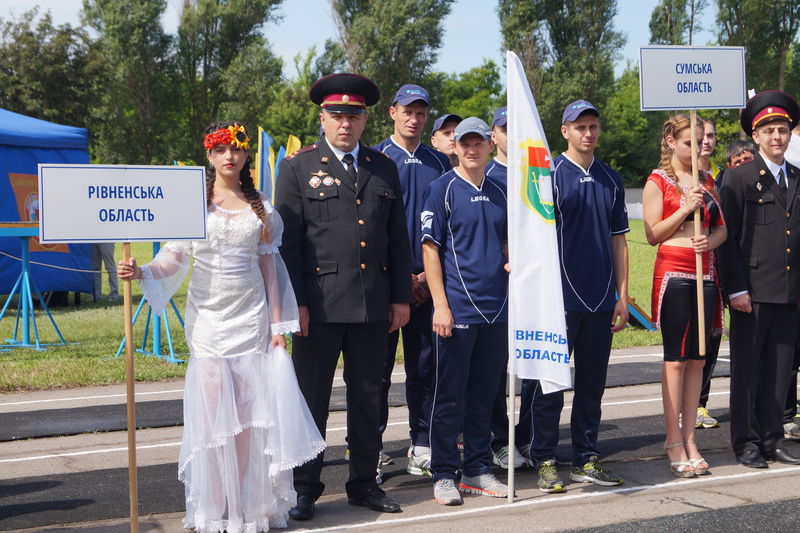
{"x": 682, "y": 469}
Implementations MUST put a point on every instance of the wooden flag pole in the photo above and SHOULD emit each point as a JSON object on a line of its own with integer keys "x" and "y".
{"x": 130, "y": 378}
{"x": 512, "y": 400}
{"x": 698, "y": 230}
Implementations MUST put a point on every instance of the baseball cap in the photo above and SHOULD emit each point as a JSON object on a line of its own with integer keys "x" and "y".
{"x": 439, "y": 122}
{"x": 500, "y": 117}
{"x": 411, "y": 93}
{"x": 472, "y": 125}
{"x": 576, "y": 109}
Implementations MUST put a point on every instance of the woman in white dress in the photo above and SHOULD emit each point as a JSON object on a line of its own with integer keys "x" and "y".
{"x": 246, "y": 424}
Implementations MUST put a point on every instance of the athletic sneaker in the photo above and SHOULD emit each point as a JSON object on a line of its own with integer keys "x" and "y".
{"x": 525, "y": 452}
{"x": 500, "y": 458}
{"x": 548, "y": 477}
{"x": 446, "y": 493}
{"x": 595, "y": 472}
{"x": 419, "y": 461}
{"x": 791, "y": 430}
{"x": 705, "y": 420}
{"x": 484, "y": 484}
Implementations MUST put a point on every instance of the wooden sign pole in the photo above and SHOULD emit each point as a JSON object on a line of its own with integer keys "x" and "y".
{"x": 698, "y": 231}
{"x": 130, "y": 378}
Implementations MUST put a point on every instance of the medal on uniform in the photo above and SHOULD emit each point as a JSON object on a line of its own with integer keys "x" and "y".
{"x": 314, "y": 182}
{"x": 327, "y": 181}
{"x": 338, "y": 181}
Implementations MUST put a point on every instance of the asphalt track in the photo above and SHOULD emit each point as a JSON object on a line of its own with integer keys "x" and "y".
{"x": 41, "y": 493}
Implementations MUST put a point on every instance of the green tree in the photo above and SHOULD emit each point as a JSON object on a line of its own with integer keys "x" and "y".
{"x": 767, "y": 29}
{"x": 46, "y": 72}
{"x": 474, "y": 93}
{"x": 291, "y": 112}
{"x": 392, "y": 42}
{"x": 669, "y": 22}
{"x": 225, "y": 65}
{"x": 524, "y": 34}
{"x": 131, "y": 114}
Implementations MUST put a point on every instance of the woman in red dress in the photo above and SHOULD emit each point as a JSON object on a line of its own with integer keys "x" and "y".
{"x": 669, "y": 203}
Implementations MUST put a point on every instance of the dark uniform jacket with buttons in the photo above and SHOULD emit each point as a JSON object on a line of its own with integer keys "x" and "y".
{"x": 761, "y": 252}
{"x": 345, "y": 245}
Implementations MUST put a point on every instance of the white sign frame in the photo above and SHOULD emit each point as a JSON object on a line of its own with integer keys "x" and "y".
{"x": 660, "y": 79}
{"x": 121, "y": 203}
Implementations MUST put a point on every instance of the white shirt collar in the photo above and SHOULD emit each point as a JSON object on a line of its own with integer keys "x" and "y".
{"x": 499, "y": 162}
{"x": 775, "y": 168}
{"x": 340, "y": 154}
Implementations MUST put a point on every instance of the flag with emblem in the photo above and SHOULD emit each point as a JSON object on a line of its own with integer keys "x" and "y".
{"x": 536, "y": 323}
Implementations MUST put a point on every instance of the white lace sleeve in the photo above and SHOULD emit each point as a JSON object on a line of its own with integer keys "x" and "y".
{"x": 283, "y": 314}
{"x": 164, "y": 275}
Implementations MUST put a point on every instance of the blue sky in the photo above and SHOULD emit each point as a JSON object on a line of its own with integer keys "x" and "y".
{"x": 309, "y": 22}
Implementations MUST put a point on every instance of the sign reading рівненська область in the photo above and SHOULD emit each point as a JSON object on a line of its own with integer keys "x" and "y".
{"x": 115, "y": 203}
{"x": 691, "y": 77}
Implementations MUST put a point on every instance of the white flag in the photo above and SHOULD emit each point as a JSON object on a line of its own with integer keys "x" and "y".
{"x": 536, "y": 324}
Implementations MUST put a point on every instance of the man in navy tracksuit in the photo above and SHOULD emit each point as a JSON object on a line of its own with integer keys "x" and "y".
{"x": 464, "y": 236}
{"x": 591, "y": 222}
{"x": 418, "y": 166}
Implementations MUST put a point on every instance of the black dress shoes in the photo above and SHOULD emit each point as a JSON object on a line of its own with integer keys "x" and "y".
{"x": 782, "y": 455}
{"x": 304, "y": 510}
{"x": 377, "y": 500}
{"x": 752, "y": 459}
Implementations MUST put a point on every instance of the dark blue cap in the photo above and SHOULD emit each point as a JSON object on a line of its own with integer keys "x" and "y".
{"x": 500, "y": 117}
{"x": 576, "y": 109}
{"x": 411, "y": 93}
{"x": 439, "y": 122}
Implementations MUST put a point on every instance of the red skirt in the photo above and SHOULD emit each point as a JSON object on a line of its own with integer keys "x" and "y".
{"x": 678, "y": 261}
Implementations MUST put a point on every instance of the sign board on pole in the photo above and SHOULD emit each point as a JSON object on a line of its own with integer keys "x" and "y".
{"x": 114, "y": 203}
{"x": 691, "y": 77}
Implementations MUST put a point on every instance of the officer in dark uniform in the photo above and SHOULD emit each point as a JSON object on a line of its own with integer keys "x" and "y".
{"x": 759, "y": 272}
{"x": 346, "y": 248}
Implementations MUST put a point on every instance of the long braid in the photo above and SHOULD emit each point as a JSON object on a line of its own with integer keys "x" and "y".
{"x": 673, "y": 126}
{"x": 245, "y": 181}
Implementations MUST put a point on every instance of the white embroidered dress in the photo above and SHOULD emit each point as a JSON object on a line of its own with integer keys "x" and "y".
{"x": 246, "y": 424}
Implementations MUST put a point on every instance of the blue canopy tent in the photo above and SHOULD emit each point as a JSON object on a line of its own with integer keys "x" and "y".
{"x": 24, "y": 143}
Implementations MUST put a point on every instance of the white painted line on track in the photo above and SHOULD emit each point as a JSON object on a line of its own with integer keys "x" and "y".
{"x": 89, "y": 452}
{"x": 551, "y": 500}
{"x": 98, "y": 397}
{"x": 659, "y": 354}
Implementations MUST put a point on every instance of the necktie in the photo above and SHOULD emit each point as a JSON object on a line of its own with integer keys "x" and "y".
{"x": 351, "y": 168}
{"x": 782, "y": 181}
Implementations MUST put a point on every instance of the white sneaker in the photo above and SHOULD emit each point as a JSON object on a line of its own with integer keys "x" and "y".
{"x": 446, "y": 493}
{"x": 485, "y": 484}
{"x": 419, "y": 461}
{"x": 500, "y": 458}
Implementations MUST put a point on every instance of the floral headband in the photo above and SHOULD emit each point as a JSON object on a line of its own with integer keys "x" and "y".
{"x": 234, "y": 135}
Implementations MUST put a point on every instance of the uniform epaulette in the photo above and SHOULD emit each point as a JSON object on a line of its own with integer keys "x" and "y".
{"x": 301, "y": 150}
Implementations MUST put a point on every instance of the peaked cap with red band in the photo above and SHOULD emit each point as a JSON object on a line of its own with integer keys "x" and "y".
{"x": 344, "y": 93}
{"x": 767, "y": 106}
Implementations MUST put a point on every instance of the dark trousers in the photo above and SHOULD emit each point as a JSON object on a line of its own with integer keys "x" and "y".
{"x": 469, "y": 365}
{"x": 500, "y": 416}
{"x": 315, "y": 358}
{"x": 762, "y": 352}
{"x": 419, "y": 365}
{"x": 790, "y": 410}
{"x": 712, "y": 352}
{"x": 589, "y": 340}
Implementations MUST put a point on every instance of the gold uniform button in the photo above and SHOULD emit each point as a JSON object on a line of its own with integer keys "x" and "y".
{"x": 317, "y": 269}
{"x": 322, "y": 194}
{"x": 788, "y": 250}
{"x": 761, "y": 200}
{"x": 358, "y": 201}
{"x": 788, "y": 215}
{"x": 788, "y": 232}
{"x": 361, "y": 222}
{"x": 788, "y": 267}
{"x": 363, "y": 266}
{"x": 363, "y": 244}
{"x": 386, "y": 268}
